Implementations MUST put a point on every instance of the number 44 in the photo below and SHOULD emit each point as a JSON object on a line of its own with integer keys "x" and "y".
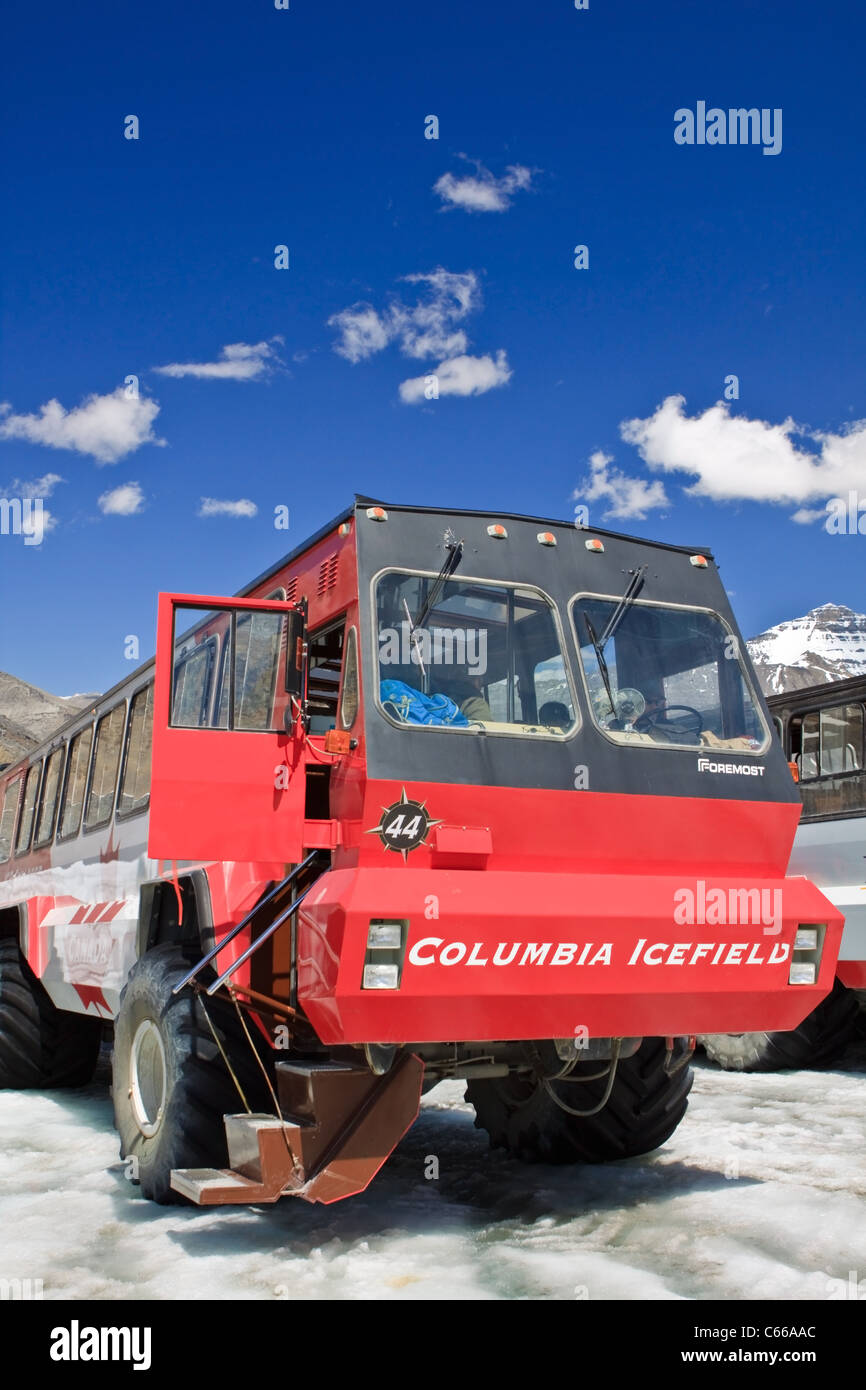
{"x": 397, "y": 830}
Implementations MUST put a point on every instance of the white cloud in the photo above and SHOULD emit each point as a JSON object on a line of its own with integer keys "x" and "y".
{"x": 36, "y": 487}
{"x": 237, "y": 362}
{"x": 734, "y": 458}
{"x": 805, "y": 516}
{"x": 424, "y": 329}
{"x": 211, "y": 506}
{"x": 125, "y": 500}
{"x": 362, "y": 331}
{"x": 105, "y": 427}
{"x": 482, "y": 191}
{"x": 628, "y": 497}
{"x": 36, "y": 520}
{"x": 460, "y": 376}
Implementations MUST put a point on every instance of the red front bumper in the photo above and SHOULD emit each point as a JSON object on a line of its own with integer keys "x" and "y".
{"x": 493, "y": 955}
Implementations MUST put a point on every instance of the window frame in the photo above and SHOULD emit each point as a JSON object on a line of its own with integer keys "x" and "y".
{"x": 62, "y": 749}
{"x": 210, "y": 646}
{"x": 127, "y": 734}
{"x": 802, "y": 715}
{"x": 62, "y": 837}
{"x": 88, "y": 828}
{"x": 350, "y": 643}
{"x": 37, "y": 767}
{"x": 17, "y": 783}
{"x": 544, "y": 731}
{"x": 671, "y": 747}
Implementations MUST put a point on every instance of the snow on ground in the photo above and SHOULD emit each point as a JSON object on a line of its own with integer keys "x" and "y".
{"x": 761, "y": 1193}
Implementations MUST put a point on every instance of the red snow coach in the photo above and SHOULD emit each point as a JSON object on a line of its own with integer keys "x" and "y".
{"x": 442, "y": 794}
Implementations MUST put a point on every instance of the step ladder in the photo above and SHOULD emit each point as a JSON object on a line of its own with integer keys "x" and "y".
{"x": 339, "y": 1124}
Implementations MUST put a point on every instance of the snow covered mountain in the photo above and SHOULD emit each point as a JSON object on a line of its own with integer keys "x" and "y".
{"x": 826, "y": 644}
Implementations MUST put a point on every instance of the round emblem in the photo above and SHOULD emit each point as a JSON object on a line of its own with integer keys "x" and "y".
{"x": 403, "y": 826}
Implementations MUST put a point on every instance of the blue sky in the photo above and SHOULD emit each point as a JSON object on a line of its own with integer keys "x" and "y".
{"x": 306, "y": 128}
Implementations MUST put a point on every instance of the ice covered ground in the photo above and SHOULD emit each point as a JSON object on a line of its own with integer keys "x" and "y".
{"x": 761, "y": 1193}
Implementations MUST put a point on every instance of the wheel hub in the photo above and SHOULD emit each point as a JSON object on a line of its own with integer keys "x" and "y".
{"x": 147, "y": 1078}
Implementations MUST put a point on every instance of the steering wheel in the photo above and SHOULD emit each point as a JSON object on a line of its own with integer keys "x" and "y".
{"x": 659, "y": 719}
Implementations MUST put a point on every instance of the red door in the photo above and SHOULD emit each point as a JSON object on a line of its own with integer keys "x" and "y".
{"x": 227, "y": 780}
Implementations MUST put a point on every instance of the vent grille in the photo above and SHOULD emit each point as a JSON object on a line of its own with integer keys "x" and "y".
{"x": 328, "y": 573}
{"x": 292, "y": 590}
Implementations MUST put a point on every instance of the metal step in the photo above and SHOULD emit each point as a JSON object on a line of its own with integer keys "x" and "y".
{"x": 340, "y": 1124}
{"x": 210, "y": 1186}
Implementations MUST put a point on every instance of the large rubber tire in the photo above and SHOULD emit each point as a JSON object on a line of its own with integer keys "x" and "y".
{"x": 41, "y": 1046}
{"x": 820, "y": 1038}
{"x": 644, "y": 1109}
{"x": 171, "y": 1086}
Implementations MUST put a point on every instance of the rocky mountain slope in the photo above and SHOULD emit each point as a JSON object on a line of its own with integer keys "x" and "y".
{"x": 28, "y": 715}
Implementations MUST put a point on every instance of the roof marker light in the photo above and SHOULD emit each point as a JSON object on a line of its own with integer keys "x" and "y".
{"x": 595, "y": 544}
{"x": 346, "y": 528}
{"x": 546, "y": 538}
{"x": 498, "y": 532}
{"x": 377, "y": 514}
{"x": 699, "y": 561}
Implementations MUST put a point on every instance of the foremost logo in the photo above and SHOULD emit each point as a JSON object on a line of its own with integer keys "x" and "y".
{"x": 744, "y": 769}
{"x": 76, "y": 1343}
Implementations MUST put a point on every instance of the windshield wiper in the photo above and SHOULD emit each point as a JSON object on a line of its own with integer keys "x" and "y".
{"x": 416, "y": 643}
{"x": 452, "y": 560}
{"x": 624, "y": 604}
{"x": 602, "y": 664}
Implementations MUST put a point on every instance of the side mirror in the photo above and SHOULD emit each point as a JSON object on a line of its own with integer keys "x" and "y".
{"x": 296, "y": 634}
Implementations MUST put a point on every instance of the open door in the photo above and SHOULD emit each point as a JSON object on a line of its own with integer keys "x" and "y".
{"x": 227, "y": 778}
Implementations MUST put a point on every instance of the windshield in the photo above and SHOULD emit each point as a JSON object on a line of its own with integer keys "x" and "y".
{"x": 485, "y": 659}
{"x": 666, "y": 675}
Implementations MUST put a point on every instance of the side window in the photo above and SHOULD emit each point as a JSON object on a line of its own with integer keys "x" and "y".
{"x": 250, "y": 643}
{"x": 349, "y": 701}
{"x": 48, "y": 803}
{"x": 28, "y": 809}
{"x": 257, "y": 638}
{"x": 135, "y": 779}
{"x": 257, "y": 655}
{"x": 841, "y": 739}
{"x": 189, "y": 703}
{"x": 830, "y": 741}
{"x": 7, "y": 819}
{"x": 323, "y": 678}
{"x": 76, "y": 780}
{"x": 109, "y": 735}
